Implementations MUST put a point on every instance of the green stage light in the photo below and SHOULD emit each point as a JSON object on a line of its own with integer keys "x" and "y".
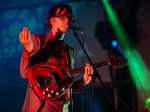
{"x": 147, "y": 102}
{"x": 139, "y": 72}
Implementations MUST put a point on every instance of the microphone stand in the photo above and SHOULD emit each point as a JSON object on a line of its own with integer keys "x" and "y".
{"x": 95, "y": 74}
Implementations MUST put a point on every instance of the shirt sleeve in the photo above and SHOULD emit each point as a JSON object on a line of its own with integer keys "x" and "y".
{"x": 26, "y": 56}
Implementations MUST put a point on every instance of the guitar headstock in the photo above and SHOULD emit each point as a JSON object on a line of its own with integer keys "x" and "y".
{"x": 117, "y": 62}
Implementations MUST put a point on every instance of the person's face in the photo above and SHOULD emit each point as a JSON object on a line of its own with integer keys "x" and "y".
{"x": 60, "y": 22}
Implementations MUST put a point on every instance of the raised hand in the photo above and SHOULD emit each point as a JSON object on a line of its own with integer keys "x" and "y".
{"x": 25, "y": 39}
{"x": 88, "y": 71}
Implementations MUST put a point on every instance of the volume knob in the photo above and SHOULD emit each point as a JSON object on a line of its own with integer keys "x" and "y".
{"x": 56, "y": 93}
{"x": 63, "y": 89}
{"x": 47, "y": 89}
{"x": 49, "y": 95}
{"x": 44, "y": 92}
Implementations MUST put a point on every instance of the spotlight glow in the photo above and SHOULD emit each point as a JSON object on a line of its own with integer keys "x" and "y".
{"x": 140, "y": 74}
{"x": 114, "y": 43}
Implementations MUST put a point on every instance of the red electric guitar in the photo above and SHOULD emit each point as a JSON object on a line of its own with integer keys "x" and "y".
{"x": 51, "y": 81}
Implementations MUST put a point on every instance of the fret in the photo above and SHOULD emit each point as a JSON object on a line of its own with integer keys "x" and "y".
{"x": 96, "y": 65}
{"x": 81, "y": 69}
{"x": 76, "y": 71}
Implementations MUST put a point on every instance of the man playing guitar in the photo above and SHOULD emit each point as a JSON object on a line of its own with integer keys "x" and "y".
{"x": 50, "y": 48}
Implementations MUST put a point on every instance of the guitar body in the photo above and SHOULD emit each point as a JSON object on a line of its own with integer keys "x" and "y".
{"x": 50, "y": 81}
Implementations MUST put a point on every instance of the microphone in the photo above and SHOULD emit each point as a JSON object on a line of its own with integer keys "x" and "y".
{"x": 72, "y": 27}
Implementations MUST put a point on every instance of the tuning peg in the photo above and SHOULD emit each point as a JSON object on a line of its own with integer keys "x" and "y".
{"x": 116, "y": 67}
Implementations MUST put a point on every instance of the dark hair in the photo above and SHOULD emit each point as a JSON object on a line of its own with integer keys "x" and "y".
{"x": 53, "y": 10}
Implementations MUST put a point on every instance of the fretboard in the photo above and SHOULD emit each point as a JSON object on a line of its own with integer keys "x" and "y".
{"x": 77, "y": 71}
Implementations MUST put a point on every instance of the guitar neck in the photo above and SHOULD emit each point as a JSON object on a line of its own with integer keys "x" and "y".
{"x": 77, "y": 71}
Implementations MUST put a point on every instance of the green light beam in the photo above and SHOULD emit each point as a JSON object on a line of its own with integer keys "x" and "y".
{"x": 139, "y": 72}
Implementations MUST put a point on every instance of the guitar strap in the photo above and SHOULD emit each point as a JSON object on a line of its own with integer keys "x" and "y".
{"x": 42, "y": 100}
{"x": 41, "y": 107}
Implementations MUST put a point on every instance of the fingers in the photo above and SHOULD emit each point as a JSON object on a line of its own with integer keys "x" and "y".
{"x": 25, "y": 39}
{"x": 25, "y": 33}
{"x": 25, "y": 36}
{"x": 87, "y": 73}
{"x": 22, "y": 36}
{"x": 29, "y": 36}
{"x": 88, "y": 69}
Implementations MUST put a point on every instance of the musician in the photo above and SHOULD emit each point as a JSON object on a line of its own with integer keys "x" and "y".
{"x": 50, "y": 48}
